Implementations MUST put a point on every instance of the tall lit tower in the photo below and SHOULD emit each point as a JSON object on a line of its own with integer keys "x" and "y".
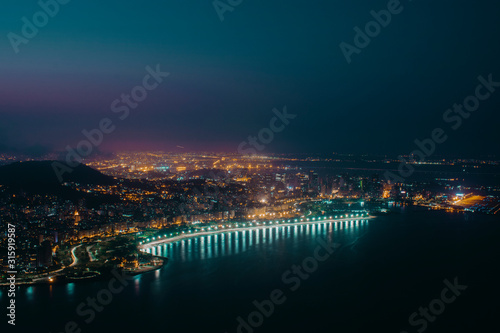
{"x": 77, "y": 218}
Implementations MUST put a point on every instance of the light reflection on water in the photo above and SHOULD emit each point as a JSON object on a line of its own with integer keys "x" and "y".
{"x": 201, "y": 251}
{"x": 137, "y": 283}
{"x": 29, "y": 293}
{"x": 236, "y": 242}
{"x": 70, "y": 288}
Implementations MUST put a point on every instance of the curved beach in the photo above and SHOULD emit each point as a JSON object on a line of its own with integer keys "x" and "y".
{"x": 263, "y": 226}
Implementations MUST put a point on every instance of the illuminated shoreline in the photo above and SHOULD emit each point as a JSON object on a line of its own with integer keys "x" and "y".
{"x": 169, "y": 240}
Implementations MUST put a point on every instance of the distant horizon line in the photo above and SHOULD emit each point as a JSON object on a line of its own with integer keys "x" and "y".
{"x": 59, "y": 155}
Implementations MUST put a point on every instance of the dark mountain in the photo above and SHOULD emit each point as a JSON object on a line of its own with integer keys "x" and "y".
{"x": 44, "y": 173}
{"x": 39, "y": 177}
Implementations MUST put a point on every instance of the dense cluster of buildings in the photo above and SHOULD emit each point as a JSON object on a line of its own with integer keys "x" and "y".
{"x": 156, "y": 190}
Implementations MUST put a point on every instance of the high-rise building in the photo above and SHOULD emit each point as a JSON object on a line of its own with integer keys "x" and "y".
{"x": 44, "y": 254}
{"x": 77, "y": 218}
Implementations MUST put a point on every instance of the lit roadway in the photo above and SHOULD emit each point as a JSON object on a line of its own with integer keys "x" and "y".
{"x": 73, "y": 256}
{"x": 91, "y": 255}
{"x": 262, "y": 226}
{"x": 56, "y": 272}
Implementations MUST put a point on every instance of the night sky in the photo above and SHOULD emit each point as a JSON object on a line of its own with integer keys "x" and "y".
{"x": 227, "y": 76}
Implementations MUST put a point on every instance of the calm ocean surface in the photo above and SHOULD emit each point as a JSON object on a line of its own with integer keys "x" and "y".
{"x": 383, "y": 271}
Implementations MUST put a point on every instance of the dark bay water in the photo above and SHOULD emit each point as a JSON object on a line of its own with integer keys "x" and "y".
{"x": 383, "y": 271}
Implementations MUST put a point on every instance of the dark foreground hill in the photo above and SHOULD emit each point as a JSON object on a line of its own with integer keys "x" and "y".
{"x": 39, "y": 177}
{"x": 42, "y": 173}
